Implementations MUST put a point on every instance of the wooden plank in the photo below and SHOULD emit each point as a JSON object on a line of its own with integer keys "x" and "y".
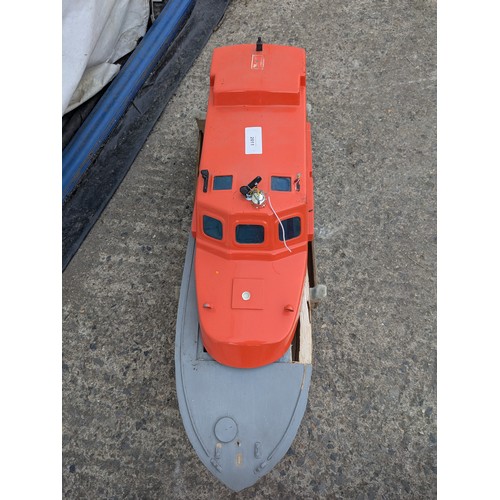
{"x": 305, "y": 345}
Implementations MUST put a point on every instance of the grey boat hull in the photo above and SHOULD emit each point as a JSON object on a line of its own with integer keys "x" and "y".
{"x": 241, "y": 422}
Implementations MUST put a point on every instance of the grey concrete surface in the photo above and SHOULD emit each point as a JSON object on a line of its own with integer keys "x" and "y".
{"x": 370, "y": 427}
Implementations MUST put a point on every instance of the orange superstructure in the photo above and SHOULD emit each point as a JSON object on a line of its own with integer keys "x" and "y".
{"x": 254, "y": 204}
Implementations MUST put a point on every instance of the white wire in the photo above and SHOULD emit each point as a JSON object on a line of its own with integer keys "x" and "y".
{"x": 281, "y": 224}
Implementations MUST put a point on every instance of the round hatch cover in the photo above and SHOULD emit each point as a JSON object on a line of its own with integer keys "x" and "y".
{"x": 226, "y": 429}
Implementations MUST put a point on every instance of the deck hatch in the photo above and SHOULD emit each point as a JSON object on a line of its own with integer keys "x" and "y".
{"x": 253, "y": 287}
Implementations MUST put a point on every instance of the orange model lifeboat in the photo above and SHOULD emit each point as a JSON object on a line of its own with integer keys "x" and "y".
{"x": 253, "y": 215}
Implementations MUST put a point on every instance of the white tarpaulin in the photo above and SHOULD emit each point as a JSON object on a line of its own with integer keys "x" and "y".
{"x": 96, "y": 33}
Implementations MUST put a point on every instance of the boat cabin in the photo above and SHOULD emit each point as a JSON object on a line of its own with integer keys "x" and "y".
{"x": 253, "y": 215}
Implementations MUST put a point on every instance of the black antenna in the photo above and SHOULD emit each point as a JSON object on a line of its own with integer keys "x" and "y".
{"x": 259, "y": 45}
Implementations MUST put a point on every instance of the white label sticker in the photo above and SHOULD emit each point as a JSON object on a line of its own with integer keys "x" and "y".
{"x": 253, "y": 140}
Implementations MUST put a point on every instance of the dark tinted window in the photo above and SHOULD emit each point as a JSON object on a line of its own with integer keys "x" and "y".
{"x": 292, "y": 228}
{"x": 223, "y": 182}
{"x": 212, "y": 227}
{"x": 249, "y": 233}
{"x": 281, "y": 183}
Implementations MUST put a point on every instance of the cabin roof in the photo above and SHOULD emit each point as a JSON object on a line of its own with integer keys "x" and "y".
{"x": 255, "y": 126}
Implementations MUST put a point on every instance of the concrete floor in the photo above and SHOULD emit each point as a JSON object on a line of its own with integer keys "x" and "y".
{"x": 370, "y": 427}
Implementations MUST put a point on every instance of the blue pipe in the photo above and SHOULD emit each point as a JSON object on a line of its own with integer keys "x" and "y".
{"x": 83, "y": 147}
